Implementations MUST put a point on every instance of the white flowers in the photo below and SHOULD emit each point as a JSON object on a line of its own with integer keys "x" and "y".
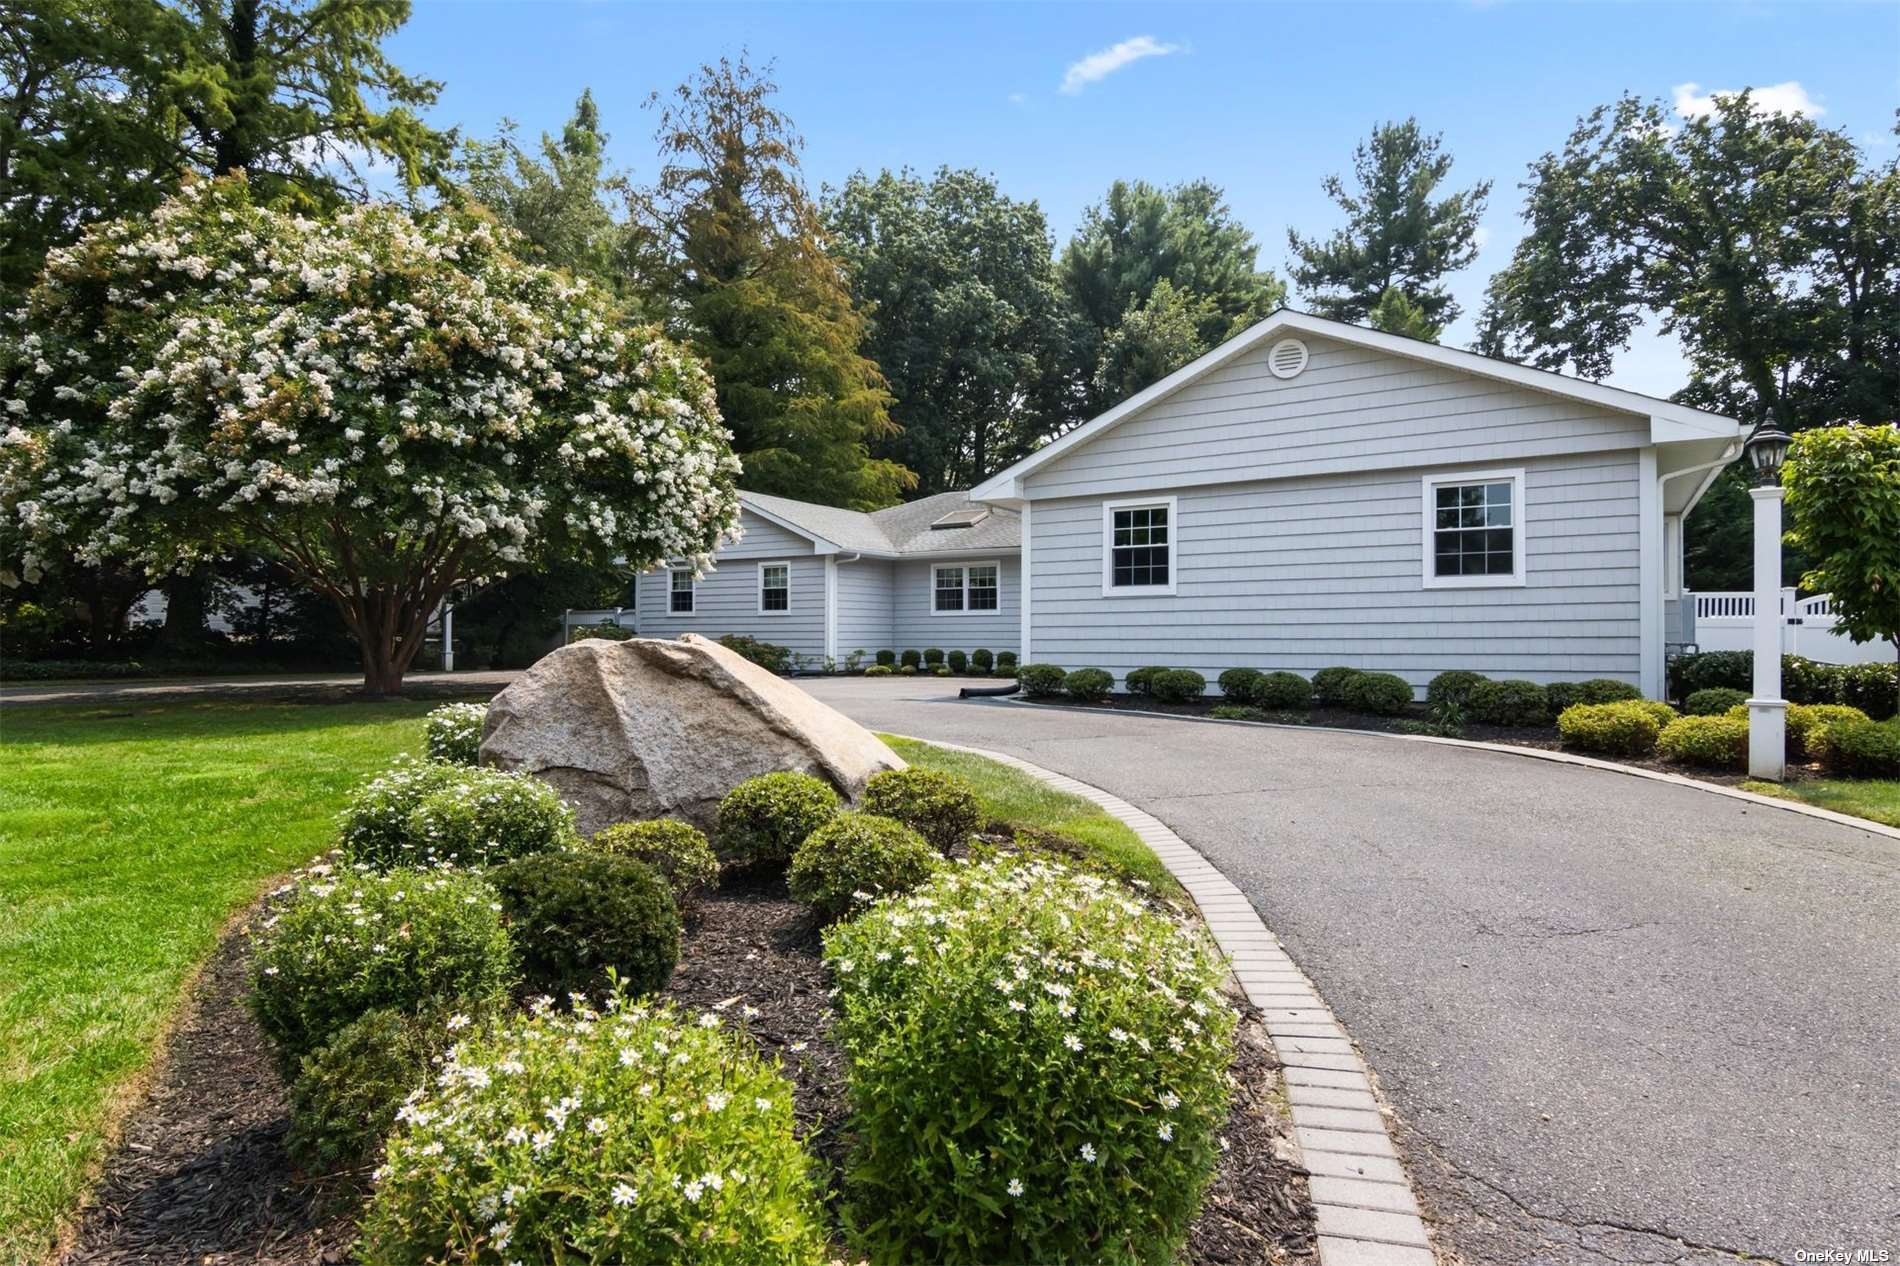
{"x": 1015, "y": 1187}
{"x": 1087, "y": 1153}
{"x": 1165, "y": 1132}
{"x": 623, "y": 1195}
{"x": 1071, "y": 1041}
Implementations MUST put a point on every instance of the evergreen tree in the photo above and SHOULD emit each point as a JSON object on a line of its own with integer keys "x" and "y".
{"x": 1396, "y": 313}
{"x": 1153, "y": 339}
{"x": 1399, "y": 233}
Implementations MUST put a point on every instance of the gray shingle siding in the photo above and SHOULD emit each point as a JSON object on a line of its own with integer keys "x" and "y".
{"x": 864, "y": 608}
{"x": 918, "y": 626}
{"x": 728, "y": 596}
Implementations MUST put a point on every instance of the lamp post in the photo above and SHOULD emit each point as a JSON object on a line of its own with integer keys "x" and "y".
{"x": 1767, "y": 710}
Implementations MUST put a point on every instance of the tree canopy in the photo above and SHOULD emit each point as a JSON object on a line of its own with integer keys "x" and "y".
{"x": 1844, "y": 502}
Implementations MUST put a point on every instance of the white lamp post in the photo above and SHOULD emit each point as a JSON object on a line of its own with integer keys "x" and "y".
{"x": 1767, "y": 710}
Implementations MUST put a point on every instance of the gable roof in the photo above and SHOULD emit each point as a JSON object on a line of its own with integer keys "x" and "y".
{"x": 1668, "y": 422}
{"x": 899, "y": 531}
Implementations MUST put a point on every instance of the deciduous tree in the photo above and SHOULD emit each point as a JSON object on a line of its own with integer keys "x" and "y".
{"x": 1844, "y": 504}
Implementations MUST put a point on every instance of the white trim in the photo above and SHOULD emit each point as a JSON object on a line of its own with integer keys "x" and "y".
{"x": 930, "y": 602}
{"x": 1023, "y": 584}
{"x": 831, "y": 607}
{"x": 1672, "y": 556}
{"x": 1109, "y": 589}
{"x": 1668, "y": 421}
{"x": 692, "y": 588}
{"x": 759, "y": 590}
{"x": 1428, "y": 525}
{"x": 1649, "y": 575}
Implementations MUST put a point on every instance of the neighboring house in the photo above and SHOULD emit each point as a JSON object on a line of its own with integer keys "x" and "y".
{"x": 826, "y": 582}
{"x": 1312, "y": 493}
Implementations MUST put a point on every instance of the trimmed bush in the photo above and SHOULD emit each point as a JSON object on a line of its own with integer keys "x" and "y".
{"x": 1864, "y": 749}
{"x": 911, "y": 659}
{"x": 856, "y": 859}
{"x": 1006, "y": 659}
{"x": 1285, "y": 692}
{"x": 880, "y": 670}
{"x": 1690, "y": 673}
{"x": 958, "y": 661}
{"x": 1808, "y": 725}
{"x": 1453, "y": 687}
{"x": 933, "y": 655}
{"x": 679, "y": 851}
{"x": 942, "y": 808}
{"x": 347, "y": 1092}
{"x": 347, "y": 942}
{"x": 1088, "y": 685}
{"x": 887, "y": 659}
{"x": 630, "y": 1135}
{"x": 1376, "y": 694}
{"x": 1873, "y": 688}
{"x": 1509, "y": 703}
{"x": 453, "y": 733}
{"x": 1236, "y": 712}
{"x": 908, "y": 670}
{"x": 1242, "y": 685}
{"x": 1714, "y": 701}
{"x": 764, "y": 818}
{"x": 1041, "y": 1020}
{"x": 982, "y": 660}
{"x": 1711, "y": 742}
{"x": 1141, "y": 681}
{"x": 573, "y": 916}
{"x": 1609, "y": 729}
{"x": 485, "y": 817}
{"x": 1042, "y": 681}
{"x": 1179, "y": 685}
{"x": 941, "y": 670}
{"x": 1329, "y": 686}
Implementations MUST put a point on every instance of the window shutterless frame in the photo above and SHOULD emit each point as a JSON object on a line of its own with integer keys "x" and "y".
{"x": 972, "y": 588}
{"x": 1139, "y": 536}
{"x": 775, "y": 588}
{"x": 682, "y": 592}
{"x": 1473, "y": 529}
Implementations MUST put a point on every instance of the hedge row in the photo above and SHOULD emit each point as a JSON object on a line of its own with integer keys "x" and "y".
{"x": 1873, "y": 688}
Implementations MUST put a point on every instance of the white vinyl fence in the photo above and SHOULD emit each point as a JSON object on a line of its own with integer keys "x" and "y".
{"x": 1726, "y": 622}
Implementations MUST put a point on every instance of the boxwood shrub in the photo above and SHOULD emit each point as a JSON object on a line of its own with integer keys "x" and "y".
{"x": 957, "y": 661}
{"x": 887, "y": 659}
{"x": 982, "y": 660}
{"x": 1508, "y": 703}
{"x": 1241, "y": 685}
{"x": 1088, "y": 685}
{"x": 1376, "y": 694}
{"x": 1042, "y": 681}
{"x": 629, "y": 1135}
{"x": 1178, "y": 685}
{"x": 1609, "y": 729}
{"x": 1865, "y": 749}
{"x": 1036, "y": 1070}
{"x": 1006, "y": 659}
{"x": 764, "y": 818}
{"x": 933, "y": 655}
{"x": 911, "y": 659}
{"x": 346, "y": 1092}
{"x": 345, "y": 942}
{"x": 856, "y": 859}
{"x": 1329, "y": 686}
{"x": 679, "y": 851}
{"x": 1711, "y": 742}
{"x": 1452, "y": 687}
{"x": 1285, "y": 692}
{"x": 576, "y": 916}
{"x": 942, "y": 808}
{"x": 1715, "y": 700}
{"x": 1562, "y": 695}
{"x": 453, "y": 733}
{"x": 1141, "y": 680}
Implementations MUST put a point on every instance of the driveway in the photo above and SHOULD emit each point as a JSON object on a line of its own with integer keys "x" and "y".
{"x": 1620, "y": 1020}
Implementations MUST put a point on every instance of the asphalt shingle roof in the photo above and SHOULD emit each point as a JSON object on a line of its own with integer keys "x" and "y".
{"x": 901, "y": 529}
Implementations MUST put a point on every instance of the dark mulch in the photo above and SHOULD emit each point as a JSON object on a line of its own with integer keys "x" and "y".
{"x": 201, "y": 1175}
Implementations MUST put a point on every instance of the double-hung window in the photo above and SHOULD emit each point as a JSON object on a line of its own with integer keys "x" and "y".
{"x": 679, "y": 598}
{"x": 965, "y": 588}
{"x": 1474, "y": 529}
{"x": 775, "y": 588}
{"x": 1138, "y": 547}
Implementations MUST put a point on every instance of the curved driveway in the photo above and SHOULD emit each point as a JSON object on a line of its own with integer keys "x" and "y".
{"x": 1620, "y": 1020}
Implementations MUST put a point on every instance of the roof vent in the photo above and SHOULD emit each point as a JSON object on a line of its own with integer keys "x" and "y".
{"x": 1287, "y": 358}
{"x": 968, "y": 517}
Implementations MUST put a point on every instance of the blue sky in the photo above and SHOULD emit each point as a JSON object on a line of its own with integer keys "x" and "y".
{"x": 1058, "y": 100}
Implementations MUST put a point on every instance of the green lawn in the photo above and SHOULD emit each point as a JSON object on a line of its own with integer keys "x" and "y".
{"x": 128, "y": 836}
{"x": 1874, "y": 799}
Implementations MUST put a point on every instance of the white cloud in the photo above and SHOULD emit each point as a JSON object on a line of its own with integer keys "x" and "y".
{"x": 1100, "y": 65}
{"x": 1017, "y": 98}
{"x": 1481, "y": 236}
{"x": 1783, "y": 98}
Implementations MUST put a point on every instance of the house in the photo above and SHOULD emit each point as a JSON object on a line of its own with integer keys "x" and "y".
{"x": 942, "y": 571}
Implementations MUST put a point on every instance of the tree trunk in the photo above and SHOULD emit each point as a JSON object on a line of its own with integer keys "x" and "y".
{"x": 186, "y": 598}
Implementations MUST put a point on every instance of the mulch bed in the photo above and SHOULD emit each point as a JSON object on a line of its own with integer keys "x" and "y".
{"x": 201, "y": 1176}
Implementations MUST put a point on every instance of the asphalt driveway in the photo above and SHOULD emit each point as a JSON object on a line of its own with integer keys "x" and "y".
{"x": 1620, "y": 1020}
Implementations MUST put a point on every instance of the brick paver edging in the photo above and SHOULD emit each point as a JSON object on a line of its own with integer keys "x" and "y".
{"x": 1363, "y": 1204}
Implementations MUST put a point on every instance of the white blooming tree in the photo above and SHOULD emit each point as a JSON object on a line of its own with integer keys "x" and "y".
{"x": 386, "y": 404}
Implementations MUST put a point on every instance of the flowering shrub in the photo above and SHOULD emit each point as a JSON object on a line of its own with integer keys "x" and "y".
{"x": 629, "y": 1135}
{"x": 484, "y": 816}
{"x": 1508, "y": 703}
{"x": 1613, "y": 729}
{"x": 855, "y": 859}
{"x": 1037, "y": 1070}
{"x": 1088, "y": 685}
{"x": 375, "y": 822}
{"x": 575, "y": 916}
{"x": 942, "y": 808}
{"x": 346, "y": 1092}
{"x": 1714, "y": 701}
{"x": 678, "y": 850}
{"x": 345, "y": 942}
{"x": 1712, "y": 742}
{"x": 453, "y": 732}
{"x": 764, "y": 818}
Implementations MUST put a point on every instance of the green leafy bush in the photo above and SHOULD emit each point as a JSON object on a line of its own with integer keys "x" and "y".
{"x": 345, "y": 942}
{"x": 1329, "y": 686}
{"x": 629, "y": 1135}
{"x": 1179, "y": 685}
{"x": 1037, "y": 1070}
{"x": 1873, "y": 688}
{"x": 453, "y": 733}
{"x": 1376, "y": 694}
{"x": 375, "y": 821}
{"x": 1508, "y": 703}
{"x": 1236, "y": 712}
{"x": 887, "y": 659}
{"x": 1714, "y": 701}
{"x": 1007, "y": 670}
{"x": 1711, "y": 742}
{"x": 941, "y": 670}
{"x": 880, "y": 670}
{"x": 982, "y": 660}
{"x": 484, "y": 817}
{"x": 911, "y": 659}
{"x": 1864, "y": 749}
{"x": 933, "y": 655}
{"x": 1453, "y": 687}
{"x": 575, "y": 916}
{"x": 856, "y": 859}
{"x": 1610, "y": 729}
{"x": 767, "y": 655}
{"x": 907, "y": 670}
{"x": 1285, "y": 692}
{"x": 764, "y": 818}
{"x": 1241, "y": 685}
{"x": 1088, "y": 685}
{"x": 1705, "y": 669}
{"x": 942, "y": 808}
{"x": 1042, "y": 681}
{"x": 1006, "y": 659}
{"x": 1140, "y": 681}
{"x": 958, "y": 662}
{"x": 345, "y": 1096}
{"x": 1808, "y": 725}
{"x": 678, "y": 850}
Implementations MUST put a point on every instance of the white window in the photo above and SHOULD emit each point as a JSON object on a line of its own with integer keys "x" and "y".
{"x": 775, "y": 588}
{"x": 965, "y": 588}
{"x": 680, "y": 598}
{"x": 1138, "y": 547}
{"x": 1474, "y": 529}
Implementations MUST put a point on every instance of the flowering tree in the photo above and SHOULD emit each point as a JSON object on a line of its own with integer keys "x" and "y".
{"x": 387, "y": 405}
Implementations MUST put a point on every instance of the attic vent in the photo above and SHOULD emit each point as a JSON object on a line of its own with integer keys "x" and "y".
{"x": 965, "y": 518}
{"x": 1287, "y": 358}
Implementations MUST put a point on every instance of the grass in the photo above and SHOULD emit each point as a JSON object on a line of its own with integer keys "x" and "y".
{"x": 128, "y": 837}
{"x": 1877, "y": 800}
{"x": 1017, "y": 798}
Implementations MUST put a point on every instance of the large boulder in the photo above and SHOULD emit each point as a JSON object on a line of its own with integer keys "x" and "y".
{"x": 650, "y": 728}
